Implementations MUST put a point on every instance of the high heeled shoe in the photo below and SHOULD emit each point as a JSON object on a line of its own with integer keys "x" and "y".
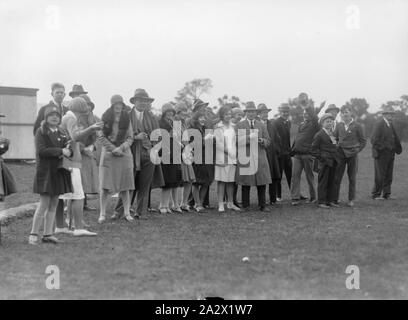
{"x": 101, "y": 219}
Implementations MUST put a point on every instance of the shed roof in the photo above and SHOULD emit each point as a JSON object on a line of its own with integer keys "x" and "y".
{"x": 16, "y": 91}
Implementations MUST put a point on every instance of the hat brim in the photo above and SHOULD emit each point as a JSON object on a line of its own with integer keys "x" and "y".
{"x": 132, "y": 100}
{"x": 121, "y": 102}
{"x": 201, "y": 105}
{"x": 387, "y": 112}
{"x": 77, "y": 92}
{"x": 337, "y": 109}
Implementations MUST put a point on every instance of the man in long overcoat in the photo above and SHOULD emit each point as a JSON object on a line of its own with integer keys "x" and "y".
{"x": 385, "y": 144}
{"x": 249, "y": 132}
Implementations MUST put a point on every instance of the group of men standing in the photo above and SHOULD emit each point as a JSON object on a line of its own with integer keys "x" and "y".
{"x": 328, "y": 143}
{"x": 321, "y": 144}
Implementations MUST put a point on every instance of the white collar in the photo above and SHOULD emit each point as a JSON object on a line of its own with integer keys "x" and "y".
{"x": 348, "y": 125}
{"x": 386, "y": 121}
{"x": 327, "y": 131}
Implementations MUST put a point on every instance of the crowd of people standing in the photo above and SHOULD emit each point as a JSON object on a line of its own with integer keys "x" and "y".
{"x": 79, "y": 155}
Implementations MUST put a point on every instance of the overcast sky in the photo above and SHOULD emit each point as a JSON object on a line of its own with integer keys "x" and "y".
{"x": 265, "y": 51}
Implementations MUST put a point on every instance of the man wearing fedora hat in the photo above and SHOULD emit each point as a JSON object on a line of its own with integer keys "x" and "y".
{"x": 143, "y": 123}
{"x": 271, "y": 151}
{"x": 385, "y": 144}
{"x": 262, "y": 176}
{"x": 77, "y": 90}
{"x": 283, "y": 126}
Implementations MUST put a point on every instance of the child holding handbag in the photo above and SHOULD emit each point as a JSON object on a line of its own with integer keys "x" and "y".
{"x": 51, "y": 178}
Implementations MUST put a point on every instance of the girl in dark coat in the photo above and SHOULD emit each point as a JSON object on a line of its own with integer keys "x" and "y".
{"x": 51, "y": 180}
{"x": 171, "y": 171}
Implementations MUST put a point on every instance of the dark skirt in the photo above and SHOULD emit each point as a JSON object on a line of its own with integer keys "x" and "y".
{"x": 204, "y": 173}
{"x": 172, "y": 175}
{"x": 53, "y": 183}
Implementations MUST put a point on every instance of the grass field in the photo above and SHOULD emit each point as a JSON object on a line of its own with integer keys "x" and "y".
{"x": 294, "y": 252}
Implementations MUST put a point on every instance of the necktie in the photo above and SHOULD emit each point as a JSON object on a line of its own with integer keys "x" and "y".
{"x": 252, "y": 124}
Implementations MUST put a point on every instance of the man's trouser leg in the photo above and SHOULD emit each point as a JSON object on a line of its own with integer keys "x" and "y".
{"x": 341, "y": 167}
{"x": 379, "y": 174}
{"x": 296, "y": 176}
{"x": 352, "y": 168}
{"x": 388, "y": 175}
{"x": 322, "y": 184}
{"x": 144, "y": 182}
{"x": 308, "y": 167}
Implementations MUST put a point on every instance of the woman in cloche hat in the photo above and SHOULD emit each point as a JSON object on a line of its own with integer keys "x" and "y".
{"x": 116, "y": 168}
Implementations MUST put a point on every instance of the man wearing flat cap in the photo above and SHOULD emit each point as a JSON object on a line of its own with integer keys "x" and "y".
{"x": 385, "y": 144}
{"x": 324, "y": 148}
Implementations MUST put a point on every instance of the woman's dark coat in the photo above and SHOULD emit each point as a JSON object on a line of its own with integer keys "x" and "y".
{"x": 171, "y": 172}
{"x": 49, "y": 179}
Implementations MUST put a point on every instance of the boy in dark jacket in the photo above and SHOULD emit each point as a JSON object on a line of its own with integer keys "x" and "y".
{"x": 324, "y": 148}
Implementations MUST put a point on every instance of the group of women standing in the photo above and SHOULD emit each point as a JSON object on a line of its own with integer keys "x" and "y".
{"x": 69, "y": 140}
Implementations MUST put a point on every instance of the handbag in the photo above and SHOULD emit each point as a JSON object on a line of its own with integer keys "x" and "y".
{"x": 65, "y": 164}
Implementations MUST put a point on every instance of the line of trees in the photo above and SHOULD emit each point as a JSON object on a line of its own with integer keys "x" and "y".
{"x": 196, "y": 88}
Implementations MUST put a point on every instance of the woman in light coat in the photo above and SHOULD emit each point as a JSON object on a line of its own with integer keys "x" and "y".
{"x": 116, "y": 166}
{"x": 225, "y": 159}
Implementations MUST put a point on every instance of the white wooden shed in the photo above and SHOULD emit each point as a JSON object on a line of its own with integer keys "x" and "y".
{"x": 19, "y": 105}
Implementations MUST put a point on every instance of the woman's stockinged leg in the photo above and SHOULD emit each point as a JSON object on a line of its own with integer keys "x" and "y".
{"x": 50, "y": 216}
{"x": 77, "y": 212}
{"x": 103, "y": 199}
{"x": 230, "y": 192}
{"x": 196, "y": 195}
{"x": 126, "y": 202}
{"x": 186, "y": 193}
{"x": 40, "y": 213}
{"x": 165, "y": 198}
{"x": 220, "y": 192}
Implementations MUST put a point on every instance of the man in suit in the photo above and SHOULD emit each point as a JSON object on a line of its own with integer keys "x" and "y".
{"x": 253, "y": 129}
{"x": 351, "y": 140}
{"x": 385, "y": 144}
{"x": 301, "y": 151}
{"x": 271, "y": 151}
{"x": 283, "y": 125}
{"x": 143, "y": 123}
{"x": 58, "y": 95}
{"x": 325, "y": 150}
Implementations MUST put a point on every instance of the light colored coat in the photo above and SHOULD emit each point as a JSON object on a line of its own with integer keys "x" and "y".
{"x": 263, "y": 174}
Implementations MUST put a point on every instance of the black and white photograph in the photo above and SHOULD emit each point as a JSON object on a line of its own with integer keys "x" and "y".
{"x": 203, "y": 150}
